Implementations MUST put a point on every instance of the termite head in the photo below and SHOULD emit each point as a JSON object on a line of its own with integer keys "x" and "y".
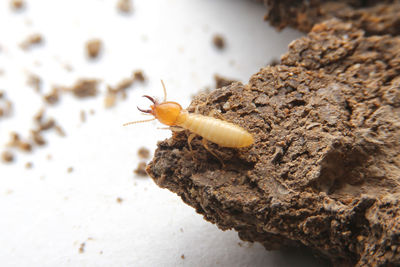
{"x": 166, "y": 112}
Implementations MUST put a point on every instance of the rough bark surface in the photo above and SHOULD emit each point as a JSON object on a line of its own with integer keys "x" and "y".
{"x": 324, "y": 171}
{"x": 375, "y": 17}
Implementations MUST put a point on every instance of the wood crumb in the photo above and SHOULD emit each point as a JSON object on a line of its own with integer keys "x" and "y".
{"x": 139, "y": 76}
{"x": 219, "y": 41}
{"x": 70, "y": 169}
{"x": 182, "y": 256}
{"x": 85, "y": 88}
{"x": 119, "y": 200}
{"x": 124, "y": 6}
{"x": 37, "y": 138}
{"x": 82, "y": 248}
{"x": 38, "y": 117}
{"x": 17, "y": 4}
{"x": 53, "y": 97}
{"x": 7, "y": 156}
{"x": 25, "y": 146}
{"x": 110, "y": 99}
{"x": 60, "y": 131}
{"x": 93, "y": 48}
{"x": 28, "y": 165}
{"x": 49, "y": 157}
{"x": 141, "y": 169}
{"x": 143, "y": 153}
{"x": 6, "y": 106}
{"x": 46, "y": 125}
{"x": 83, "y": 116}
{"x": 35, "y": 82}
{"x": 31, "y": 40}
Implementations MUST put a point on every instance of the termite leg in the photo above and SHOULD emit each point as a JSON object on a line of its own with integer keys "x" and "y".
{"x": 190, "y": 138}
{"x": 172, "y": 128}
{"x": 204, "y": 142}
{"x": 215, "y": 112}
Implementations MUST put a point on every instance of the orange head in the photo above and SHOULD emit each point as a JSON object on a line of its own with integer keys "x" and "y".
{"x": 166, "y": 112}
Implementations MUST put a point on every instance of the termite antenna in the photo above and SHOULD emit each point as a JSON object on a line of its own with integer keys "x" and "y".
{"x": 134, "y": 122}
{"x": 165, "y": 90}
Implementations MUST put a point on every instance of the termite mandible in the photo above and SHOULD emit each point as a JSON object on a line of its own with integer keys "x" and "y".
{"x": 221, "y": 132}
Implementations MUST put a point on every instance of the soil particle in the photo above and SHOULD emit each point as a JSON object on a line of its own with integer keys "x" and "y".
{"x": 53, "y": 97}
{"x": 7, "y": 157}
{"x": 17, "y": 5}
{"x": 141, "y": 169}
{"x": 31, "y": 41}
{"x": 82, "y": 247}
{"x": 324, "y": 171}
{"x": 82, "y": 115}
{"x": 375, "y": 17}
{"x": 93, "y": 48}
{"x": 35, "y": 82}
{"x": 125, "y": 6}
{"x": 28, "y": 165}
{"x": 84, "y": 88}
{"x": 219, "y": 41}
{"x": 143, "y": 153}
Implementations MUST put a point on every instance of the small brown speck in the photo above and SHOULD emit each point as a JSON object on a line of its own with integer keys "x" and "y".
{"x": 219, "y": 41}
{"x": 124, "y": 6}
{"x": 85, "y": 88}
{"x": 143, "y": 153}
{"x": 49, "y": 157}
{"x": 82, "y": 247}
{"x": 70, "y": 169}
{"x": 17, "y": 4}
{"x": 119, "y": 200}
{"x": 28, "y": 165}
{"x": 92, "y": 112}
{"x": 25, "y": 146}
{"x": 14, "y": 139}
{"x": 37, "y": 138}
{"x": 83, "y": 115}
{"x": 110, "y": 99}
{"x": 31, "y": 40}
{"x": 141, "y": 169}
{"x": 93, "y": 48}
{"x": 35, "y": 82}
{"x": 139, "y": 76}
{"x": 182, "y": 257}
{"x": 7, "y": 157}
{"x": 59, "y": 130}
{"x": 48, "y": 124}
{"x": 38, "y": 117}
{"x": 52, "y": 97}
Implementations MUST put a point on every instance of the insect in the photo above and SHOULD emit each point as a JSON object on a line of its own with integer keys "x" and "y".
{"x": 221, "y": 132}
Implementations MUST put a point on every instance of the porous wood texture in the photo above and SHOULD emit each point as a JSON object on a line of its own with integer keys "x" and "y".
{"x": 375, "y": 17}
{"x": 324, "y": 171}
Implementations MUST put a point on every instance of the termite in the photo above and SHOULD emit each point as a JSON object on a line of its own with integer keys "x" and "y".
{"x": 218, "y": 131}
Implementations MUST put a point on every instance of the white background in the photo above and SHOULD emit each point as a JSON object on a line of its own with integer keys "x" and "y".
{"x": 47, "y": 213}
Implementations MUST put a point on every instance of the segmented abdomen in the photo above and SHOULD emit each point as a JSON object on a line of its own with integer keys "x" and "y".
{"x": 223, "y": 133}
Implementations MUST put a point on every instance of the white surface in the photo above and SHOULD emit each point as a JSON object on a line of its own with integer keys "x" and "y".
{"x": 46, "y": 213}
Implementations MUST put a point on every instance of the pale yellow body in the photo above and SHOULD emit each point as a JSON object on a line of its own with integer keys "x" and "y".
{"x": 223, "y": 133}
